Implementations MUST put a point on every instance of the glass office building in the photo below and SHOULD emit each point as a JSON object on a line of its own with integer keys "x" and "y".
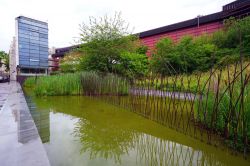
{"x": 32, "y": 46}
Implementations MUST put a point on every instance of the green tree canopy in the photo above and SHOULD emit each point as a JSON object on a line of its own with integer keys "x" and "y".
{"x": 4, "y": 60}
{"x": 105, "y": 41}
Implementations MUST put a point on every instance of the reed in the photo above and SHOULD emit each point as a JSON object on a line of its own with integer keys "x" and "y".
{"x": 82, "y": 83}
{"x": 214, "y": 107}
{"x": 110, "y": 84}
{"x": 66, "y": 84}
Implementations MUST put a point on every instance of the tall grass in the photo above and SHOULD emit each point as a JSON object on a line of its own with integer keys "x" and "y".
{"x": 188, "y": 82}
{"x": 94, "y": 84}
{"x": 82, "y": 83}
{"x": 225, "y": 106}
{"x": 66, "y": 84}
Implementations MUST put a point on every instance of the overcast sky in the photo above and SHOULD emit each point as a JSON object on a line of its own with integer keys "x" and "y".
{"x": 64, "y": 16}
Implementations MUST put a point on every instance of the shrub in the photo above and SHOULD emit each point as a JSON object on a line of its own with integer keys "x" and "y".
{"x": 132, "y": 65}
{"x": 165, "y": 61}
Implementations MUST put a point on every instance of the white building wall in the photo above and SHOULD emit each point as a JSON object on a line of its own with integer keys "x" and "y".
{"x": 12, "y": 54}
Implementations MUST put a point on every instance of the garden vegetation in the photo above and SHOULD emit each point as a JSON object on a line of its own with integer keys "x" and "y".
{"x": 111, "y": 60}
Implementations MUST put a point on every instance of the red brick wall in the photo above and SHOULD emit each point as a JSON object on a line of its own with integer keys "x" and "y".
{"x": 176, "y": 35}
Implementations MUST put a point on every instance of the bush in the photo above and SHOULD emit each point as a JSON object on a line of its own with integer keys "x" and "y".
{"x": 187, "y": 56}
{"x": 132, "y": 65}
{"x": 202, "y": 53}
{"x": 165, "y": 60}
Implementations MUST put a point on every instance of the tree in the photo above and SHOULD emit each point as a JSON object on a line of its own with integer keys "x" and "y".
{"x": 4, "y": 60}
{"x": 70, "y": 62}
{"x": 105, "y": 41}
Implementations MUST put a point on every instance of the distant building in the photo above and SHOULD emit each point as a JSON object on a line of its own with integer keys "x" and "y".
{"x": 59, "y": 54}
{"x": 31, "y": 47}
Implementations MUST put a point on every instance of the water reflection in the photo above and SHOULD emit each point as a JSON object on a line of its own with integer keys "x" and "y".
{"x": 104, "y": 139}
{"x": 26, "y": 127}
{"x": 41, "y": 119}
{"x": 155, "y": 151}
{"x": 121, "y": 137}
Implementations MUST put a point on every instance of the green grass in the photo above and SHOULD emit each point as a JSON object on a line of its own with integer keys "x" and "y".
{"x": 225, "y": 113}
{"x": 66, "y": 84}
{"x": 82, "y": 83}
{"x": 189, "y": 82}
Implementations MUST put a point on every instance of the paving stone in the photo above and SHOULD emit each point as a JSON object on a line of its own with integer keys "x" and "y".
{"x": 19, "y": 138}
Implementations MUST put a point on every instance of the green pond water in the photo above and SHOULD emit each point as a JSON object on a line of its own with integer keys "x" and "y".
{"x": 85, "y": 131}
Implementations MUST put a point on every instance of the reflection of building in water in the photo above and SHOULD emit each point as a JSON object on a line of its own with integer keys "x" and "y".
{"x": 41, "y": 119}
{"x": 26, "y": 127}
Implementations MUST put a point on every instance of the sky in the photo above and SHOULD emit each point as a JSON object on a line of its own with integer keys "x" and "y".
{"x": 64, "y": 16}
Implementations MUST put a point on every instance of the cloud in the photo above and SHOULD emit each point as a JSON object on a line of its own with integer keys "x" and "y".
{"x": 64, "y": 16}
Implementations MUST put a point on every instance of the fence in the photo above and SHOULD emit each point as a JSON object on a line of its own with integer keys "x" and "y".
{"x": 213, "y": 107}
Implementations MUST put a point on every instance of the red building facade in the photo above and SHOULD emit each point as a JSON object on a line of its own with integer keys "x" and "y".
{"x": 209, "y": 28}
{"x": 195, "y": 27}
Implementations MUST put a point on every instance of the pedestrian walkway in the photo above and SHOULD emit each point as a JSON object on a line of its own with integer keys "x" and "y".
{"x": 4, "y": 91}
{"x": 20, "y": 143}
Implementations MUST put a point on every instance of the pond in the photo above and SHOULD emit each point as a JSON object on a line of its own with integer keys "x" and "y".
{"x": 79, "y": 130}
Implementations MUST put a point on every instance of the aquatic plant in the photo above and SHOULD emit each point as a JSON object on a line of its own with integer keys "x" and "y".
{"x": 82, "y": 83}
{"x": 66, "y": 84}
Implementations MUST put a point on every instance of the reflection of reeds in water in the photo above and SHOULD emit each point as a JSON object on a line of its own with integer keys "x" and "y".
{"x": 211, "y": 106}
{"x": 152, "y": 151}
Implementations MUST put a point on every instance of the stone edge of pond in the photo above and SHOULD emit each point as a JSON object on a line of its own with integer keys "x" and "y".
{"x": 19, "y": 138}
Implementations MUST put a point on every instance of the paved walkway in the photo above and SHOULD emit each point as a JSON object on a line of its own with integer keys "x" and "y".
{"x": 159, "y": 93}
{"x": 20, "y": 143}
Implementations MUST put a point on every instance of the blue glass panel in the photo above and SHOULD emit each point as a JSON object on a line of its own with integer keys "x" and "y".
{"x": 22, "y": 39}
{"x": 23, "y": 57}
{"x": 35, "y": 34}
{"x": 34, "y": 41}
{"x": 24, "y": 50}
{"x": 43, "y": 43}
{"x": 34, "y": 63}
{"x": 43, "y": 49}
{"x": 34, "y": 56}
{"x": 43, "y": 53}
{"x": 23, "y": 54}
{"x": 44, "y": 30}
{"x": 43, "y": 40}
{"x": 34, "y": 52}
{"x": 32, "y": 47}
{"x": 22, "y": 31}
{"x": 23, "y": 35}
{"x": 41, "y": 35}
{"x": 34, "y": 38}
{"x": 23, "y": 25}
{"x": 24, "y": 62}
{"x": 23, "y": 45}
